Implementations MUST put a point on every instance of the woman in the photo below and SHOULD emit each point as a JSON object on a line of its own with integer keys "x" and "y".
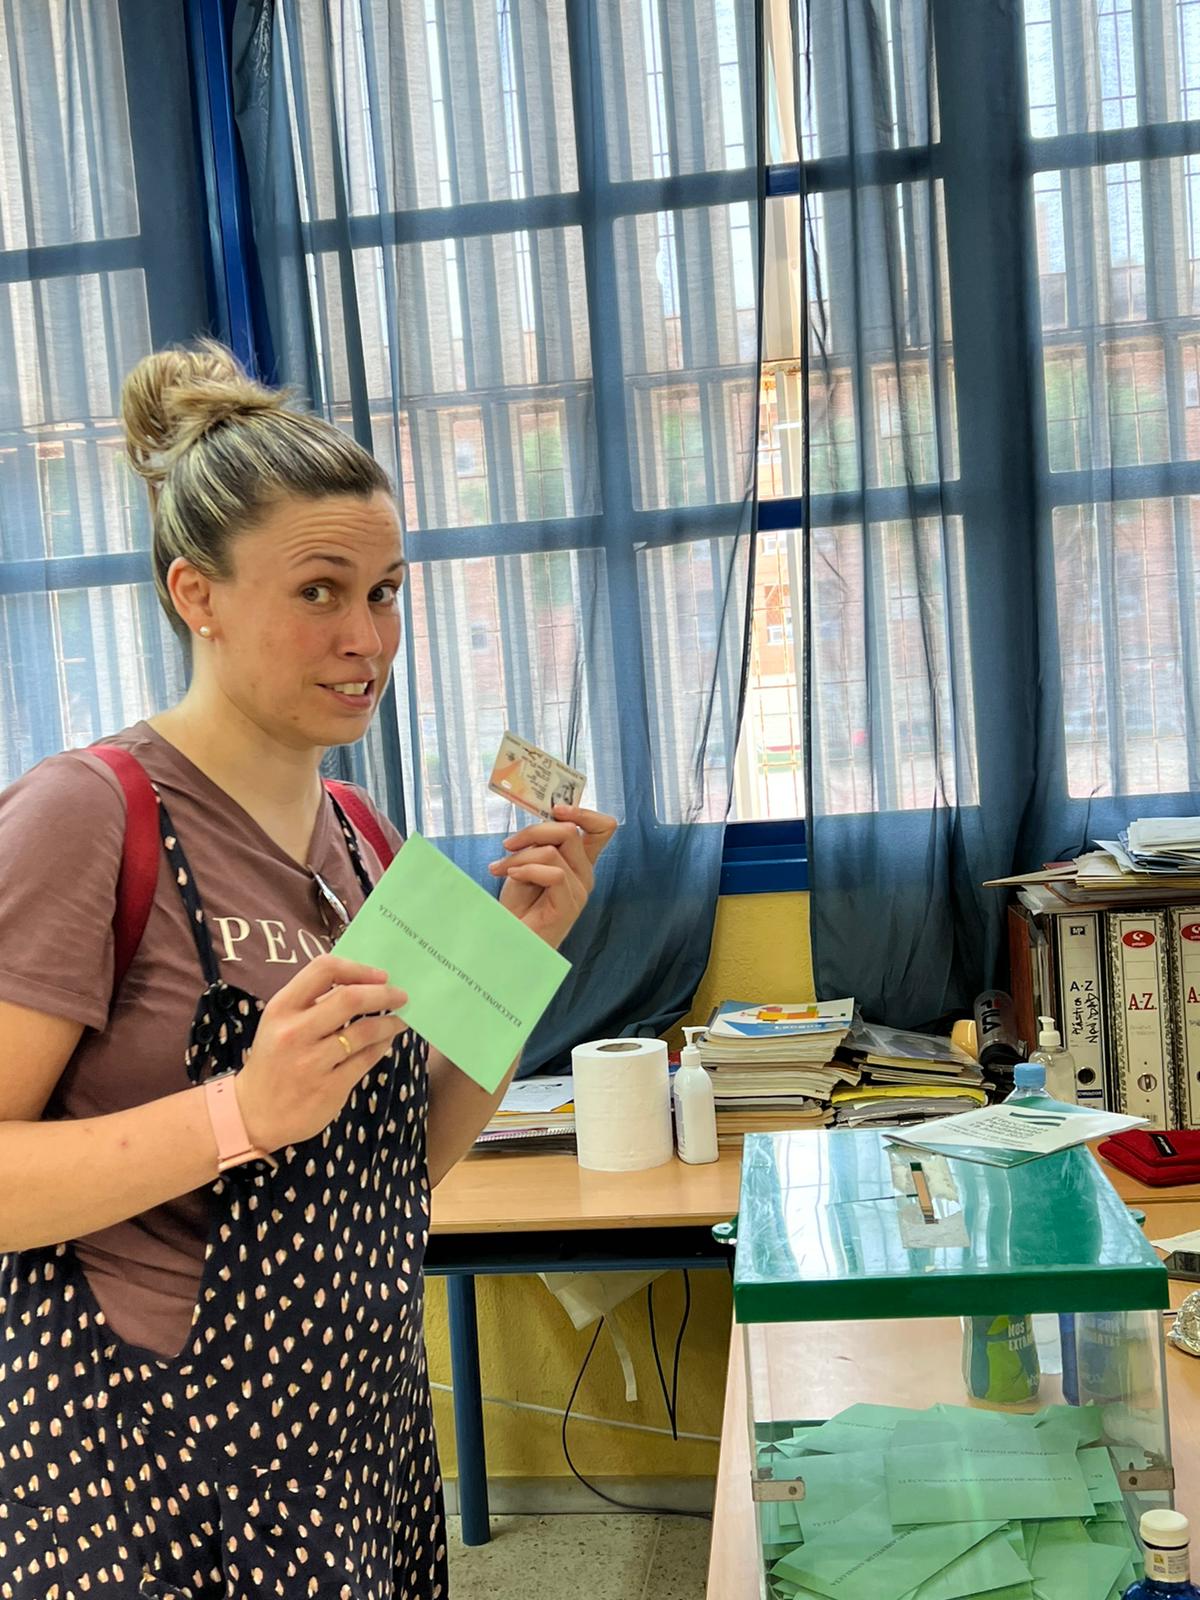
{"x": 212, "y": 1371}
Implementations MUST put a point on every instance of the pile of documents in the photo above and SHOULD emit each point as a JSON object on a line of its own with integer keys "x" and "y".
{"x": 1014, "y": 1132}
{"x": 1163, "y": 844}
{"x": 904, "y": 1078}
{"x": 536, "y": 1114}
{"x": 1155, "y": 861}
{"x": 773, "y": 1067}
{"x": 931, "y": 1505}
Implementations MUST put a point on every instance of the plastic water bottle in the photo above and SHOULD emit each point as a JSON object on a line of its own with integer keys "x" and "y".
{"x": 1029, "y": 1083}
{"x": 1000, "y": 1355}
{"x": 1000, "y": 1360}
{"x": 1168, "y": 1572}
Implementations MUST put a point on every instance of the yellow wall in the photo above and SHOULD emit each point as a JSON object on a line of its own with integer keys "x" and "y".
{"x": 529, "y": 1349}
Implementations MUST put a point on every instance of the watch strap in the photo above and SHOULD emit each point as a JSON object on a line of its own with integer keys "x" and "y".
{"x": 234, "y": 1145}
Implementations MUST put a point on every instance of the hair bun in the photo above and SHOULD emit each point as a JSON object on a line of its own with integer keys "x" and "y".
{"x": 174, "y": 397}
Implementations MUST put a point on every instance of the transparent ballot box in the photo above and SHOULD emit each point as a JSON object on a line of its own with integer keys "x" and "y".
{"x": 954, "y": 1372}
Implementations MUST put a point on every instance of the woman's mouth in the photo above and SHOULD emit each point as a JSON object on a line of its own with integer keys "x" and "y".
{"x": 356, "y": 694}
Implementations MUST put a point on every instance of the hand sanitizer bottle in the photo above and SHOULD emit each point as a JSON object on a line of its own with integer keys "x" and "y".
{"x": 1168, "y": 1574}
{"x": 1059, "y": 1064}
{"x": 695, "y": 1109}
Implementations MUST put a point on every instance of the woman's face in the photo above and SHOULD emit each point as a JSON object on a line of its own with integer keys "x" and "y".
{"x": 305, "y": 629}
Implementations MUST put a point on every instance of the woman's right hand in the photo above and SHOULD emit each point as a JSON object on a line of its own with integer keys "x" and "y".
{"x": 298, "y": 1074}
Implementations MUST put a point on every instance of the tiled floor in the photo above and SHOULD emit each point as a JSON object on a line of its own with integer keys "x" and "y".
{"x": 592, "y": 1556}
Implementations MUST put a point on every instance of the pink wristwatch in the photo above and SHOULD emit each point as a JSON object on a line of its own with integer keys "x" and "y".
{"x": 234, "y": 1145}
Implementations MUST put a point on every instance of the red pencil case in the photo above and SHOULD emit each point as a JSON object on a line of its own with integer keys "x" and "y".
{"x": 1154, "y": 1158}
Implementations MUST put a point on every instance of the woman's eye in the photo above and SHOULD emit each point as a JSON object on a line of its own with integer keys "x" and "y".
{"x": 317, "y": 593}
{"x": 385, "y": 594}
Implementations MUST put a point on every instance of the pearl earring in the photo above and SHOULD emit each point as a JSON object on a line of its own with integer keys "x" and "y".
{"x": 206, "y": 633}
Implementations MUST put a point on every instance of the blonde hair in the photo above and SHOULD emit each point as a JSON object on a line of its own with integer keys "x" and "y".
{"x": 218, "y": 449}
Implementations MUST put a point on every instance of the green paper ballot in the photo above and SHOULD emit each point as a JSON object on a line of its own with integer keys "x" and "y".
{"x": 989, "y": 1566}
{"x": 1066, "y": 1565}
{"x": 859, "y": 1427}
{"x": 945, "y": 1483}
{"x": 1100, "y": 1476}
{"x": 478, "y": 981}
{"x": 834, "y": 1487}
{"x": 864, "y": 1558}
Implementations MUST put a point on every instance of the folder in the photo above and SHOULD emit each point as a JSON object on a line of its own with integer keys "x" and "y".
{"x": 1079, "y": 957}
{"x": 1184, "y": 937}
{"x": 1139, "y": 983}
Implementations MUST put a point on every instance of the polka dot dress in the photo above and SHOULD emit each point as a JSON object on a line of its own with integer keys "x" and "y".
{"x": 288, "y": 1450}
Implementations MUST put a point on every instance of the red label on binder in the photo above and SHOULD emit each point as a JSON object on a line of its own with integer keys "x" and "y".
{"x": 1190, "y": 930}
{"x": 1138, "y": 938}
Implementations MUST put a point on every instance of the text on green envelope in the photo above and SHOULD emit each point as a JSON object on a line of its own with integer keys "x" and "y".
{"x": 477, "y": 979}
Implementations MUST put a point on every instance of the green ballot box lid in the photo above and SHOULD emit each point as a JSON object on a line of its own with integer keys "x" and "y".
{"x": 841, "y": 1225}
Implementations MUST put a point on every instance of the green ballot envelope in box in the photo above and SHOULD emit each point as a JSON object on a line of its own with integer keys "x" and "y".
{"x": 477, "y": 979}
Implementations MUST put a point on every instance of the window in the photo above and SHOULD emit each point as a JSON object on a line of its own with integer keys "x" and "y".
{"x": 472, "y": 274}
{"x": 96, "y": 126}
{"x": 1115, "y": 242}
{"x": 879, "y": 419}
{"x": 1118, "y": 251}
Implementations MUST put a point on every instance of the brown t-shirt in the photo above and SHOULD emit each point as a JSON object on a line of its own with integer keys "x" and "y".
{"x": 61, "y": 834}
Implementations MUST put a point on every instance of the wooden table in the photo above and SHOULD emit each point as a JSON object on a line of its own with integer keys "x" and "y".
{"x": 539, "y": 1213}
{"x": 524, "y": 1194}
{"x": 839, "y": 1381}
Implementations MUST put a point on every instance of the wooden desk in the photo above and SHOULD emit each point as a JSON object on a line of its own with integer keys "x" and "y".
{"x": 733, "y": 1562}
{"x": 524, "y": 1194}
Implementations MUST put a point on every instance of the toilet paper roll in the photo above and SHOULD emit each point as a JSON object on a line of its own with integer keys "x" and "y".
{"x": 622, "y": 1104}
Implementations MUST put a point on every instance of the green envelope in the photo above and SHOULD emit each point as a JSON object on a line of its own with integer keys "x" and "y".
{"x": 1066, "y": 1565}
{"x": 477, "y": 979}
{"x": 865, "y": 1558}
{"x": 991, "y": 1565}
{"x": 1100, "y": 1476}
{"x": 860, "y": 1427}
{"x": 834, "y": 1487}
{"x": 945, "y": 1483}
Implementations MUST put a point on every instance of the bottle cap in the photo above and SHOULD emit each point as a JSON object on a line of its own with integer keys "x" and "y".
{"x": 1049, "y": 1038}
{"x": 1166, "y": 1530}
{"x": 1029, "y": 1075}
{"x": 691, "y": 1034}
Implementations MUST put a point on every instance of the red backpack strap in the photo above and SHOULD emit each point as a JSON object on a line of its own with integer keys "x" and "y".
{"x": 139, "y": 859}
{"x": 363, "y": 818}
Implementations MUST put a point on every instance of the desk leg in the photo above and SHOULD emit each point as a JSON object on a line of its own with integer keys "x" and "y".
{"x": 468, "y": 1409}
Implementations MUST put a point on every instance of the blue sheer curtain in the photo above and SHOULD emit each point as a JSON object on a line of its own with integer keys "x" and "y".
{"x": 102, "y": 252}
{"x": 514, "y": 246}
{"x": 993, "y": 221}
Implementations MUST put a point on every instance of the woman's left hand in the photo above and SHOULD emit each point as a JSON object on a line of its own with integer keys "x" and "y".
{"x": 548, "y": 871}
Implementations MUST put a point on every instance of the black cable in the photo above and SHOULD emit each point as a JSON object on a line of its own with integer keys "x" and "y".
{"x": 683, "y": 1322}
{"x": 662, "y": 1377}
{"x": 622, "y": 1505}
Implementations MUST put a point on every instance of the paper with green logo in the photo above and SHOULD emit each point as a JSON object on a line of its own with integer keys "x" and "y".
{"x": 477, "y": 979}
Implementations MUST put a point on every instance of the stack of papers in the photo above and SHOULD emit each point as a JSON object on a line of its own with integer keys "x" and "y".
{"x": 947, "y": 1503}
{"x": 897, "y": 1105}
{"x": 905, "y": 1078}
{"x": 772, "y": 1065}
{"x": 535, "y": 1114}
{"x": 1156, "y": 861}
{"x": 1014, "y": 1132}
{"x": 1164, "y": 844}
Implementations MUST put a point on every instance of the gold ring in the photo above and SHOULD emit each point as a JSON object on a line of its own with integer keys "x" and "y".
{"x": 345, "y": 1044}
